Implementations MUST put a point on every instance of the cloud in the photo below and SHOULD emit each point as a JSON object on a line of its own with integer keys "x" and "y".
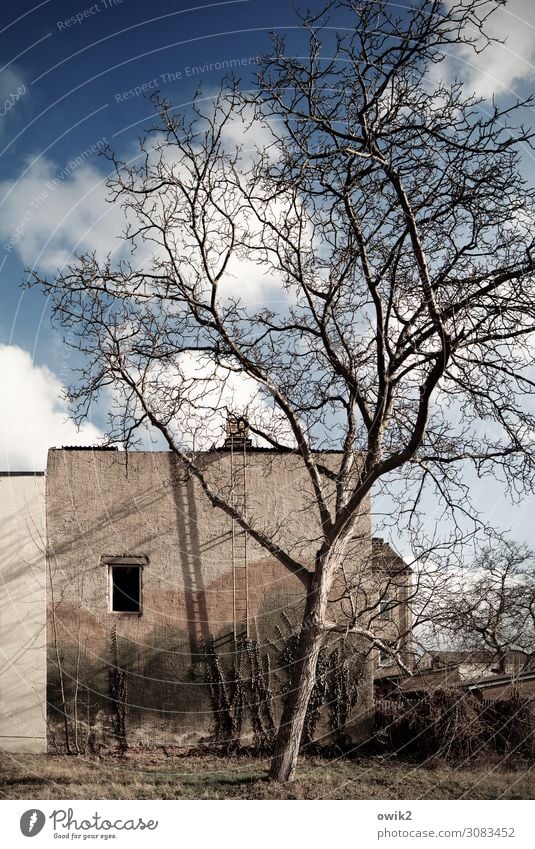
{"x": 33, "y": 417}
{"x": 52, "y": 213}
{"x": 49, "y": 212}
{"x": 251, "y": 133}
{"x": 500, "y": 67}
{"x": 195, "y": 395}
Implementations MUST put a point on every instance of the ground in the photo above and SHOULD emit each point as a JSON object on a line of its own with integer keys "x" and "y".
{"x": 160, "y": 776}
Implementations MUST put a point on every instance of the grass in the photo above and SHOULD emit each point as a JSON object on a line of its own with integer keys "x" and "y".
{"x": 155, "y": 776}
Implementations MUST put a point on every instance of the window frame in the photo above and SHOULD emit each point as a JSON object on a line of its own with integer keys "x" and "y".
{"x": 112, "y": 563}
{"x": 386, "y": 659}
{"x": 387, "y": 605}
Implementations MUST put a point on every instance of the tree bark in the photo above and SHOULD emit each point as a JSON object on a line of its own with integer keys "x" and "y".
{"x": 303, "y": 679}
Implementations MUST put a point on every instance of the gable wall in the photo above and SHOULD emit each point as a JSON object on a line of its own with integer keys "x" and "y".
{"x": 143, "y": 504}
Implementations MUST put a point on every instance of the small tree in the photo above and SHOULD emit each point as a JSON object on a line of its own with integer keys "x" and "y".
{"x": 389, "y": 212}
{"x": 493, "y": 608}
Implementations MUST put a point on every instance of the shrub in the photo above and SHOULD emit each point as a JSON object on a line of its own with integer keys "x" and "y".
{"x": 454, "y": 725}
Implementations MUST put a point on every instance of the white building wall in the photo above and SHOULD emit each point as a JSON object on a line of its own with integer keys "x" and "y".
{"x": 22, "y": 613}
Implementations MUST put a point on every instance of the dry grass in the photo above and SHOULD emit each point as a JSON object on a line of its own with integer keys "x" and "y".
{"x": 152, "y": 776}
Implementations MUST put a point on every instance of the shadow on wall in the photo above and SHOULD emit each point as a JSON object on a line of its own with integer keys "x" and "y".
{"x": 225, "y": 692}
{"x": 190, "y": 555}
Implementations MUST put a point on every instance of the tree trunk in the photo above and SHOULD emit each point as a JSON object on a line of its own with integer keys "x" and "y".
{"x": 302, "y": 680}
{"x": 303, "y": 675}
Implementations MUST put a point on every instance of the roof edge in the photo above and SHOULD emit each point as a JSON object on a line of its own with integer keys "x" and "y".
{"x": 20, "y": 474}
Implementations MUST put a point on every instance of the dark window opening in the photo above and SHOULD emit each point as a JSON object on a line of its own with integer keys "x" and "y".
{"x": 385, "y": 657}
{"x": 386, "y": 608}
{"x": 126, "y": 589}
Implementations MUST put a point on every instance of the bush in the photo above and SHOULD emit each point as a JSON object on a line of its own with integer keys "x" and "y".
{"x": 454, "y": 725}
{"x": 510, "y": 725}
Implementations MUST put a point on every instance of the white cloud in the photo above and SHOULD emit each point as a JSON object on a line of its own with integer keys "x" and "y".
{"x": 501, "y": 67}
{"x": 194, "y": 396}
{"x": 11, "y": 79}
{"x": 49, "y": 213}
{"x": 33, "y": 417}
{"x": 251, "y": 134}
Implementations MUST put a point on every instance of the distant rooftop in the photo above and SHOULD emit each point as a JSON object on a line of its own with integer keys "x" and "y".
{"x": 386, "y": 559}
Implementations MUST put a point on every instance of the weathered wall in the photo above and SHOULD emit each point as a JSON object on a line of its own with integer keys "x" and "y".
{"x": 143, "y": 504}
{"x": 22, "y": 613}
{"x": 393, "y": 583}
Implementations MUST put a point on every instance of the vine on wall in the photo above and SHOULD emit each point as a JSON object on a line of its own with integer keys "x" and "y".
{"x": 119, "y": 695}
{"x": 339, "y": 673}
{"x": 242, "y": 692}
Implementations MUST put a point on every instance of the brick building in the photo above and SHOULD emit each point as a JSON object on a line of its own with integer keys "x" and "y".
{"x": 144, "y": 571}
{"x": 143, "y": 574}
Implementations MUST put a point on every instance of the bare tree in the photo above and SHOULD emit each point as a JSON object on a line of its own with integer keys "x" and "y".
{"x": 493, "y": 608}
{"x": 389, "y": 213}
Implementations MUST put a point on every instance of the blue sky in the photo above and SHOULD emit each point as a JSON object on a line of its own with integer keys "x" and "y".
{"x": 83, "y": 81}
{"x": 73, "y": 75}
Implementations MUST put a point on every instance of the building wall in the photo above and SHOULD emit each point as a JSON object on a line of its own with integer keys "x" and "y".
{"x": 110, "y": 504}
{"x": 393, "y": 584}
{"x": 22, "y": 613}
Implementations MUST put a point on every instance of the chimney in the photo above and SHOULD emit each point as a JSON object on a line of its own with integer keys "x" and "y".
{"x": 237, "y": 431}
